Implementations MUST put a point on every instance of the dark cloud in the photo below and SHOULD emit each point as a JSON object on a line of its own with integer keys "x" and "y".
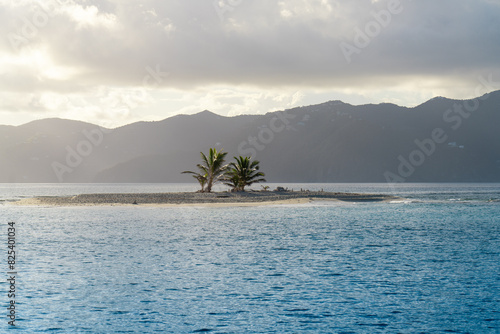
{"x": 266, "y": 43}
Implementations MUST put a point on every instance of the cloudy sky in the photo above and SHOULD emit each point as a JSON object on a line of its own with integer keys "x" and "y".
{"x": 112, "y": 62}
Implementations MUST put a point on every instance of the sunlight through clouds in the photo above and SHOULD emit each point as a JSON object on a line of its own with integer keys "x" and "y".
{"x": 237, "y": 57}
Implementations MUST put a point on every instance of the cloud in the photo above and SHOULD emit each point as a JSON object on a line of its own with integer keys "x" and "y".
{"x": 79, "y": 47}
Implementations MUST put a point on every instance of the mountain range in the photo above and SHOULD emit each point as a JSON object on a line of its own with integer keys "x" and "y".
{"x": 441, "y": 140}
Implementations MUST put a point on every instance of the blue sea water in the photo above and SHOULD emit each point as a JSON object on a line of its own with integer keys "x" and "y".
{"x": 426, "y": 264}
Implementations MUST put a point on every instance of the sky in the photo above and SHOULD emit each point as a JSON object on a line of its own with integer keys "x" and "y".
{"x": 114, "y": 62}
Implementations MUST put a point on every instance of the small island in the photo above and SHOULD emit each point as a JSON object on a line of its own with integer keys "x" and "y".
{"x": 247, "y": 198}
{"x": 240, "y": 173}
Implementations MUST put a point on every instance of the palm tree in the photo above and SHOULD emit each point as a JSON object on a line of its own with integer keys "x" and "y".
{"x": 242, "y": 173}
{"x": 212, "y": 169}
{"x": 232, "y": 179}
{"x": 201, "y": 178}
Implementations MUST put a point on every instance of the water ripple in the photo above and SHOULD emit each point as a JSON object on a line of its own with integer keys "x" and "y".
{"x": 320, "y": 269}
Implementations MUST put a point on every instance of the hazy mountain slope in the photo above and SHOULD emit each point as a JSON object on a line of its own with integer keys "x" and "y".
{"x": 328, "y": 142}
{"x": 180, "y": 132}
{"x": 150, "y": 169}
{"x": 28, "y": 151}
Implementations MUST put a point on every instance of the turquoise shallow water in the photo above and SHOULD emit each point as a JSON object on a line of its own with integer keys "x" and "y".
{"x": 430, "y": 264}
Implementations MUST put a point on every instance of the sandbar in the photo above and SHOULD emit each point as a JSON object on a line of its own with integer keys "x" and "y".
{"x": 215, "y": 199}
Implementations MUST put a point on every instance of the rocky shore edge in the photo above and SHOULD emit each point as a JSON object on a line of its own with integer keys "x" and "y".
{"x": 196, "y": 198}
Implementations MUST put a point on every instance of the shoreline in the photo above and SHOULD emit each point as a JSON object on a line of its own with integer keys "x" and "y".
{"x": 215, "y": 199}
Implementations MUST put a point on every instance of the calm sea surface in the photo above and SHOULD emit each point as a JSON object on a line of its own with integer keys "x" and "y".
{"x": 427, "y": 264}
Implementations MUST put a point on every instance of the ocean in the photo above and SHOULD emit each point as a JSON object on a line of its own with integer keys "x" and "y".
{"x": 427, "y": 264}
